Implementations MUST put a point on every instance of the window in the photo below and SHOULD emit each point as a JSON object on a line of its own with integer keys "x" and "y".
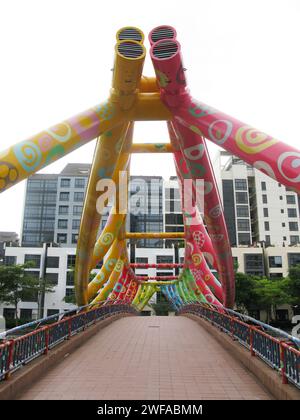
{"x": 71, "y": 261}
{"x": 294, "y": 239}
{"x": 243, "y": 224}
{"x": 53, "y": 262}
{"x": 174, "y": 228}
{"x": 293, "y": 226}
{"x": 63, "y": 209}
{"x": 75, "y": 223}
{"x": 244, "y": 239}
{"x": 282, "y": 211}
{"x": 290, "y": 199}
{"x": 266, "y": 212}
{"x": 263, "y": 186}
{"x": 70, "y": 278}
{"x": 280, "y": 197}
{"x": 292, "y": 212}
{"x": 62, "y": 224}
{"x": 254, "y": 264}
{"x": 52, "y": 278}
{"x": 51, "y": 312}
{"x": 275, "y": 262}
{"x": 283, "y": 224}
{"x": 74, "y": 238}
{"x": 268, "y": 239}
{"x": 264, "y": 199}
{"x": 9, "y": 313}
{"x": 78, "y": 196}
{"x": 241, "y": 197}
{"x": 10, "y": 260}
{"x": 240, "y": 184}
{"x": 274, "y": 276}
{"x": 174, "y": 219}
{"x": 65, "y": 182}
{"x": 282, "y": 315}
{"x": 35, "y": 274}
{"x": 34, "y": 259}
{"x": 293, "y": 259}
{"x": 242, "y": 211}
{"x": 77, "y": 210}
{"x": 267, "y": 226}
{"x": 164, "y": 259}
{"x": 165, "y": 273}
{"x": 79, "y": 182}
{"x": 61, "y": 238}
{"x": 70, "y": 291}
{"x": 141, "y": 260}
{"x": 26, "y": 314}
{"x": 64, "y": 196}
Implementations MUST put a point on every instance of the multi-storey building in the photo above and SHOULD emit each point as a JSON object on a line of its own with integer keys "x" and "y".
{"x": 54, "y": 203}
{"x": 257, "y": 208}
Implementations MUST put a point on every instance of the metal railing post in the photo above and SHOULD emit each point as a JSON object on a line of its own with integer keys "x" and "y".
{"x": 283, "y": 364}
{"x": 46, "y": 340}
{"x": 251, "y": 328}
{"x": 10, "y": 358}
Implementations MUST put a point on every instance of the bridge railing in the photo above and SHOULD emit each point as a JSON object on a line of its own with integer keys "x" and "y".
{"x": 19, "y": 351}
{"x": 275, "y": 347}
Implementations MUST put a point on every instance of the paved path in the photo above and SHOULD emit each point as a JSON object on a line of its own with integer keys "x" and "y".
{"x": 149, "y": 358}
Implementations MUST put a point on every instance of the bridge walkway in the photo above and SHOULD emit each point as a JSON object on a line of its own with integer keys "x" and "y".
{"x": 142, "y": 358}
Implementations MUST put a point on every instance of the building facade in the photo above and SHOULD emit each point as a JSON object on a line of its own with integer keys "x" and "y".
{"x": 257, "y": 208}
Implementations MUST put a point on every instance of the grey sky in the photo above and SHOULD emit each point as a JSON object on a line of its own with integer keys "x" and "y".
{"x": 242, "y": 57}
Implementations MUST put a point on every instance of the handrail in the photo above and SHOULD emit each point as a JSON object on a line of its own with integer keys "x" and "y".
{"x": 40, "y": 321}
{"x": 19, "y": 351}
{"x": 276, "y": 331}
{"x": 277, "y": 352}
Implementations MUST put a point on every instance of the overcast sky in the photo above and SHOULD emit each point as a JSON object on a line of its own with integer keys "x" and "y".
{"x": 242, "y": 57}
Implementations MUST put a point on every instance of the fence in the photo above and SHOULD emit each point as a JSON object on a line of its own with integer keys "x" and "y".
{"x": 278, "y": 352}
{"x": 16, "y": 352}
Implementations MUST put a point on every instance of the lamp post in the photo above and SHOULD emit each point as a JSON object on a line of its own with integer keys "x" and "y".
{"x": 41, "y": 300}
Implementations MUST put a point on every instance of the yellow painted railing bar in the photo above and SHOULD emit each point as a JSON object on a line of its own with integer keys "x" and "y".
{"x": 151, "y": 148}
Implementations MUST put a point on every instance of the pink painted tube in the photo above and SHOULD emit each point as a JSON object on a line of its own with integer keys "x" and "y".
{"x": 269, "y": 155}
{"x": 199, "y": 231}
{"x": 162, "y": 32}
{"x": 194, "y": 258}
{"x": 198, "y": 161}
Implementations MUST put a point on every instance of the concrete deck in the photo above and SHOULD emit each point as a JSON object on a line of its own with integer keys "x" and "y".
{"x": 140, "y": 358}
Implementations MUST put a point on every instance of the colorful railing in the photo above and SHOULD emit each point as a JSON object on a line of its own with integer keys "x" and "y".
{"x": 18, "y": 351}
{"x": 281, "y": 352}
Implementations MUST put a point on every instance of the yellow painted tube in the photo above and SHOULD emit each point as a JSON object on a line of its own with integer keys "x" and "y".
{"x": 129, "y": 61}
{"x": 116, "y": 219}
{"x": 149, "y": 107}
{"x": 149, "y": 84}
{"x": 131, "y": 33}
{"x": 138, "y": 294}
{"x": 148, "y": 295}
{"x": 113, "y": 278}
{"x": 29, "y": 156}
{"x": 103, "y": 275}
{"x": 151, "y": 148}
{"x": 104, "y": 163}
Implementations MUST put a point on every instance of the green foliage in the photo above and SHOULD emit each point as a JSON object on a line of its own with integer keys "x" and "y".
{"x": 293, "y": 284}
{"x": 16, "y": 285}
{"x": 162, "y": 308}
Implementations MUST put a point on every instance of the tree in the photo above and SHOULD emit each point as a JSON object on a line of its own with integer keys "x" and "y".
{"x": 16, "y": 284}
{"x": 293, "y": 285}
{"x": 270, "y": 294}
{"x": 246, "y": 296}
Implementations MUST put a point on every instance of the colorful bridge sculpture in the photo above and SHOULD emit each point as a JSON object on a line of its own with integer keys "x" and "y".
{"x": 134, "y": 97}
